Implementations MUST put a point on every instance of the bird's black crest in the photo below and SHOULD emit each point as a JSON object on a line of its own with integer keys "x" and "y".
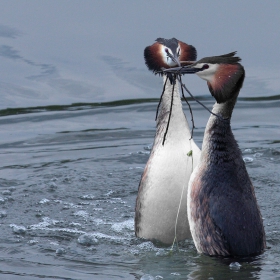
{"x": 169, "y": 43}
{"x": 228, "y": 58}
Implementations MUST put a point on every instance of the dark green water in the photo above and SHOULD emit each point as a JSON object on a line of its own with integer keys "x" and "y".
{"x": 69, "y": 178}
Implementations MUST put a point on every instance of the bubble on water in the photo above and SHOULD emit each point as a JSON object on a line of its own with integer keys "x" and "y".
{"x": 32, "y": 242}
{"x": 45, "y": 224}
{"x": 257, "y": 155}
{"x": 134, "y": 252}
{"x": 60, "y": 251}
{"x": 3, "y": 214}
{"x": 6, "y": 192}
{"x": 87, "y": 239}
{"x": 175, "y": 274}
{"x": 94, "y": 238}
{"x": 87, "y": 197}
{"x": 109, "y": 193}
{"x": 147, "y": 277}
{"x": 2, "y": 200}
{"x": 116, "y": 200}
{"x": 82, "y": 213}
{"x": 52, "y": 186}
{"x": 97, "y": 209}
{"x": 235, "y": 266}
{"x": 83, "y": 179}
{"x": 148, "y": 148}
{"x": 73, "y": 224}
{"x": 99, "y": 222}
{"x": 162, "y": 252}
{"x": 18, "y": 229}
{"x": 136, "y": 167}
{"x": 119, "y": 227}
{"x": 67, "y": 230}
{"x": 147, "y": 246}
{"x": 44, "y": 201}
{"x": 248, "y": 159}
{"x": 100, "y": 235}
{"x": 143, "y": 152}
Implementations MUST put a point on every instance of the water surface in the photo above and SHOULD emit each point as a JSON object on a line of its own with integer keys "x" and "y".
{"x": 69, "y": 178}
{"x": 77, "y": 124}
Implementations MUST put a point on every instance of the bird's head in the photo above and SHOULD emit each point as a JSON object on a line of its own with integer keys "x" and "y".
{"x": 224, "y": 75}
{"x": 167, "y": 53}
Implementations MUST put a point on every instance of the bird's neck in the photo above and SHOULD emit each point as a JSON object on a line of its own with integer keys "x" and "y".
{"x": 178, "y": 123}
{"x": 167, "y": 100}
{"x": 219, "y": 144}
{"x": 224, "y": 109}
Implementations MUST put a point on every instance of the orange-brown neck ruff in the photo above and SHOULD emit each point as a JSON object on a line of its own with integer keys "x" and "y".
{"x": 153, "y": 57}
{"x": 188, "y": 52}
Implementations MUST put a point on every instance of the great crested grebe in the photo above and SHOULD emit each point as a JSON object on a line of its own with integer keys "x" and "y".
{"x": 161, "y": 204}
{"x": 223, "y": 213}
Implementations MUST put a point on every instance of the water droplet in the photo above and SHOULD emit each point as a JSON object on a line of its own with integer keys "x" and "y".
{"x": 87, "y": 240}
{"x": 235, "y": 265}
{"x": 248, "y": 159}
{"x": 3, "y": 214}
{"x": 60, "y": 251}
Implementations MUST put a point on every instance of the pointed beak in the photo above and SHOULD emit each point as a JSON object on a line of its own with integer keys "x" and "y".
{"x": 175, "y": 59}
{"x": 182, "y": 70}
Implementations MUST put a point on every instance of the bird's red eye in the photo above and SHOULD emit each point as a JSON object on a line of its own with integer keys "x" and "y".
{"x": 205, "y": 66}
{"x": 166, "y": 50}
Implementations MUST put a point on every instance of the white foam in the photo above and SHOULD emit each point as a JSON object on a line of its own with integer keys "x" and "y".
{"x": 44, "y": 201}
{"x": 45, "y": 224}
{"x": 175, "y": 274}
{"x": 94, "y": 237}
{"x": 87, "y": 197}
{"x": 18, "y": 229}
{"x": 147, "y": 246}
{"x": 87, "y": 239}
{"x": 82, "y": 213}
{"x": 119, "y": 227}
{"x": 147, "y": 277}
{"x": 32, "y": 242}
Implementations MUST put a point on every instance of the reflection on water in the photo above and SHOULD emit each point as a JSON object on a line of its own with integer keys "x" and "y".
{"x": 69, "y": 178}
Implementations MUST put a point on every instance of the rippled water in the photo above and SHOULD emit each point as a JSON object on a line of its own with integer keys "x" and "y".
{"x": 69, "y": 179}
